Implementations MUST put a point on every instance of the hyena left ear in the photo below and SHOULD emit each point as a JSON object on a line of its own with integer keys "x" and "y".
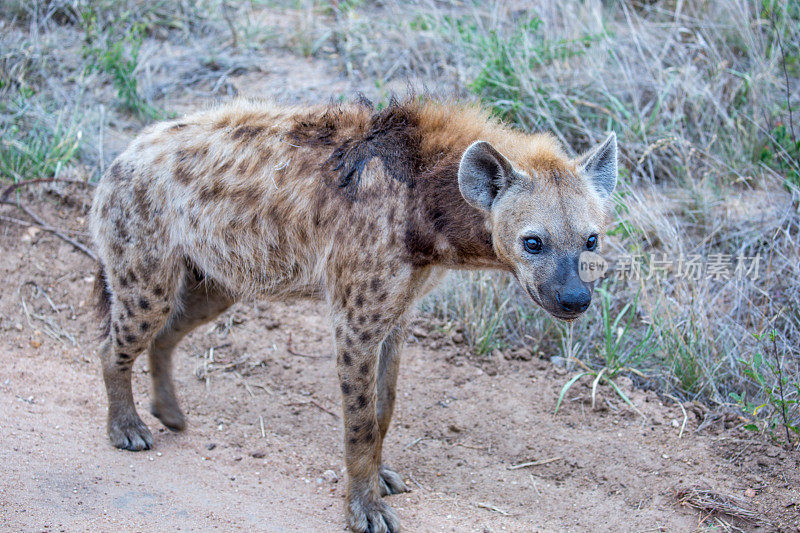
{"x": 483, "y": 174}
{"x": 600, "y": 166}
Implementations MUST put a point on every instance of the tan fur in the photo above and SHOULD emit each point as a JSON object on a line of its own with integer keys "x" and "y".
{"x": 359, "y": 207}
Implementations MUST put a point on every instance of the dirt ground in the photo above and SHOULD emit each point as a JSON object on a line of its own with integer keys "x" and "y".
{"x": 264, "y": 446}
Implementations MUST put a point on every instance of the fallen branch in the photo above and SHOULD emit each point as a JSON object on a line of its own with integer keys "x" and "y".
{"x": 535, "y": 463}
{"x": 317, "y": 405}
{"x": 20, "y": 222}
{"x": 492, "y": 508}
{"x": 46, "y": 227}
{"x": 25, "y": 183}
{"x": 291, "y": 351}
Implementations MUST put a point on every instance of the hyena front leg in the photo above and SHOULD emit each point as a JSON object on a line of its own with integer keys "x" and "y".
{"x": 388, "y": 366}
{"x": 357, "y": 350}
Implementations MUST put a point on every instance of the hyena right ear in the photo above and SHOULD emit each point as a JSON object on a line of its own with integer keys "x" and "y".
{"x": 483, "y": 174}
{"x": 600, "y": 165}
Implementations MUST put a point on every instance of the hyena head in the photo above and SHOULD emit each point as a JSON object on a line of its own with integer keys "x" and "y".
{"x": 544, "y": 210}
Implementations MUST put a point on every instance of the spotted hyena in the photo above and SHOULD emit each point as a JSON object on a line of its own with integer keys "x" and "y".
{"x": 366, "y": 209}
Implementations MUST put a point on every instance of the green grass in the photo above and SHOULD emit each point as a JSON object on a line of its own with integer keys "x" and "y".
{"x": 36, "y": 143}
{"x": 698, "y": 98}
{"x": 114, "y": 51}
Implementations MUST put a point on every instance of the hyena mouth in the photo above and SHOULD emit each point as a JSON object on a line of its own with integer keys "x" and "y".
{"x": 566, "y": 317}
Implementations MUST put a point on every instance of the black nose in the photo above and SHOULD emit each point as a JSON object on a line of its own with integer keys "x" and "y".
{"x": 574, "y": 300}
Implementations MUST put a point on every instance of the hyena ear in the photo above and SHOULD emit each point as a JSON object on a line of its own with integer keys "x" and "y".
{"x": 600, "y": 166}
{"x": 483, "y": 174}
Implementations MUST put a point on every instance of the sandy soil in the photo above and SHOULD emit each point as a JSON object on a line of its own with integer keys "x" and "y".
{"x": 263, "y": 450}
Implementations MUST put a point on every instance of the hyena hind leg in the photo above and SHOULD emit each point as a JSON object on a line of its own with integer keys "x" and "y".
{"x": 139, "y": 310}
{"x": 199, "y": 303}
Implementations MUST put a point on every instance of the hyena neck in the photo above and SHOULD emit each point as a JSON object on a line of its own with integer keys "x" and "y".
{"x": 443, "y": 229}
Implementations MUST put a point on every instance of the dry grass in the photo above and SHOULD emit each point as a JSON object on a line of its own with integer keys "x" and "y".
{"x": 699, "y": 94}
{"x": 711, "y": 502}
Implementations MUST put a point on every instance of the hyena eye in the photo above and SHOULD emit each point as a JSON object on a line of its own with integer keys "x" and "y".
{"x": 533, "y": 245}
{"x": 591, "y": 242}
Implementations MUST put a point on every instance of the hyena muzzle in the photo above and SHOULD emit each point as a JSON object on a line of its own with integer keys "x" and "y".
{"x": 366, "y": 209}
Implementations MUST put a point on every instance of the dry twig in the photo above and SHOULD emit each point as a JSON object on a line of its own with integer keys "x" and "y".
{"x": 707, "y": 500}
{"x": 46, "y": 227}
{"x": 291, "y": 351}
{"x": 535, "y": 463}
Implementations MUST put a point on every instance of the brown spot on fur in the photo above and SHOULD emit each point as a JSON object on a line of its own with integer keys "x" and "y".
{"x": 223, "y": 123}
{"x": 247, "y": 133}
{"x": 182, "y": 174}
{"x": 115, "y": 172}
{"x": 315, "y": 130}
{"x": 345, "y": 388}
{"x": 369, "y": 437}
{"x": 364, "y": 368}
{"x": 362, "y": 401}
{"x": 346, "y": 359}
{"x": 420, "y": 246}
{"x": 141, "y": 200}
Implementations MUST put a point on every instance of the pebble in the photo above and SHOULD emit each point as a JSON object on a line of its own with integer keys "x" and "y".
{"x": 330, "y": 476}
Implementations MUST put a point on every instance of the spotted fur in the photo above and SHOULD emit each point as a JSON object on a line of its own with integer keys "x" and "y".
{"x": 366, "y": 209}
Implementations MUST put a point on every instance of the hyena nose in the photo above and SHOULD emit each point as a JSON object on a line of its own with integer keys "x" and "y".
{"x": 574, "y": 300}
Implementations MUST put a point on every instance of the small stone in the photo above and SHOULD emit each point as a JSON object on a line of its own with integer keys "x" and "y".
{"x": 458, "y": 338}
{"x": 454, "y": 428}
{"x": 18, "y": 326}
{"x": 524, "y": 354}
{"x": 330, "y": 476}
{"x": 210, "y": 446}
{"x": 35, "y": 343}
{"x": 675, "y": 423}
{"x": 558, "y": 361}
{"x": 258, "y": 455}
{"x": 750, "y": 492}
{"x": 419, "y": 332}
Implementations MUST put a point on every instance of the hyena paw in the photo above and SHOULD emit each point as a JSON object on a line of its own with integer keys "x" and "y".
{"x": 170, "y": 415}
{"x": 129, "y": 433}
{"x": 391, "y": 482}
{"x": 371, "y": 516}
